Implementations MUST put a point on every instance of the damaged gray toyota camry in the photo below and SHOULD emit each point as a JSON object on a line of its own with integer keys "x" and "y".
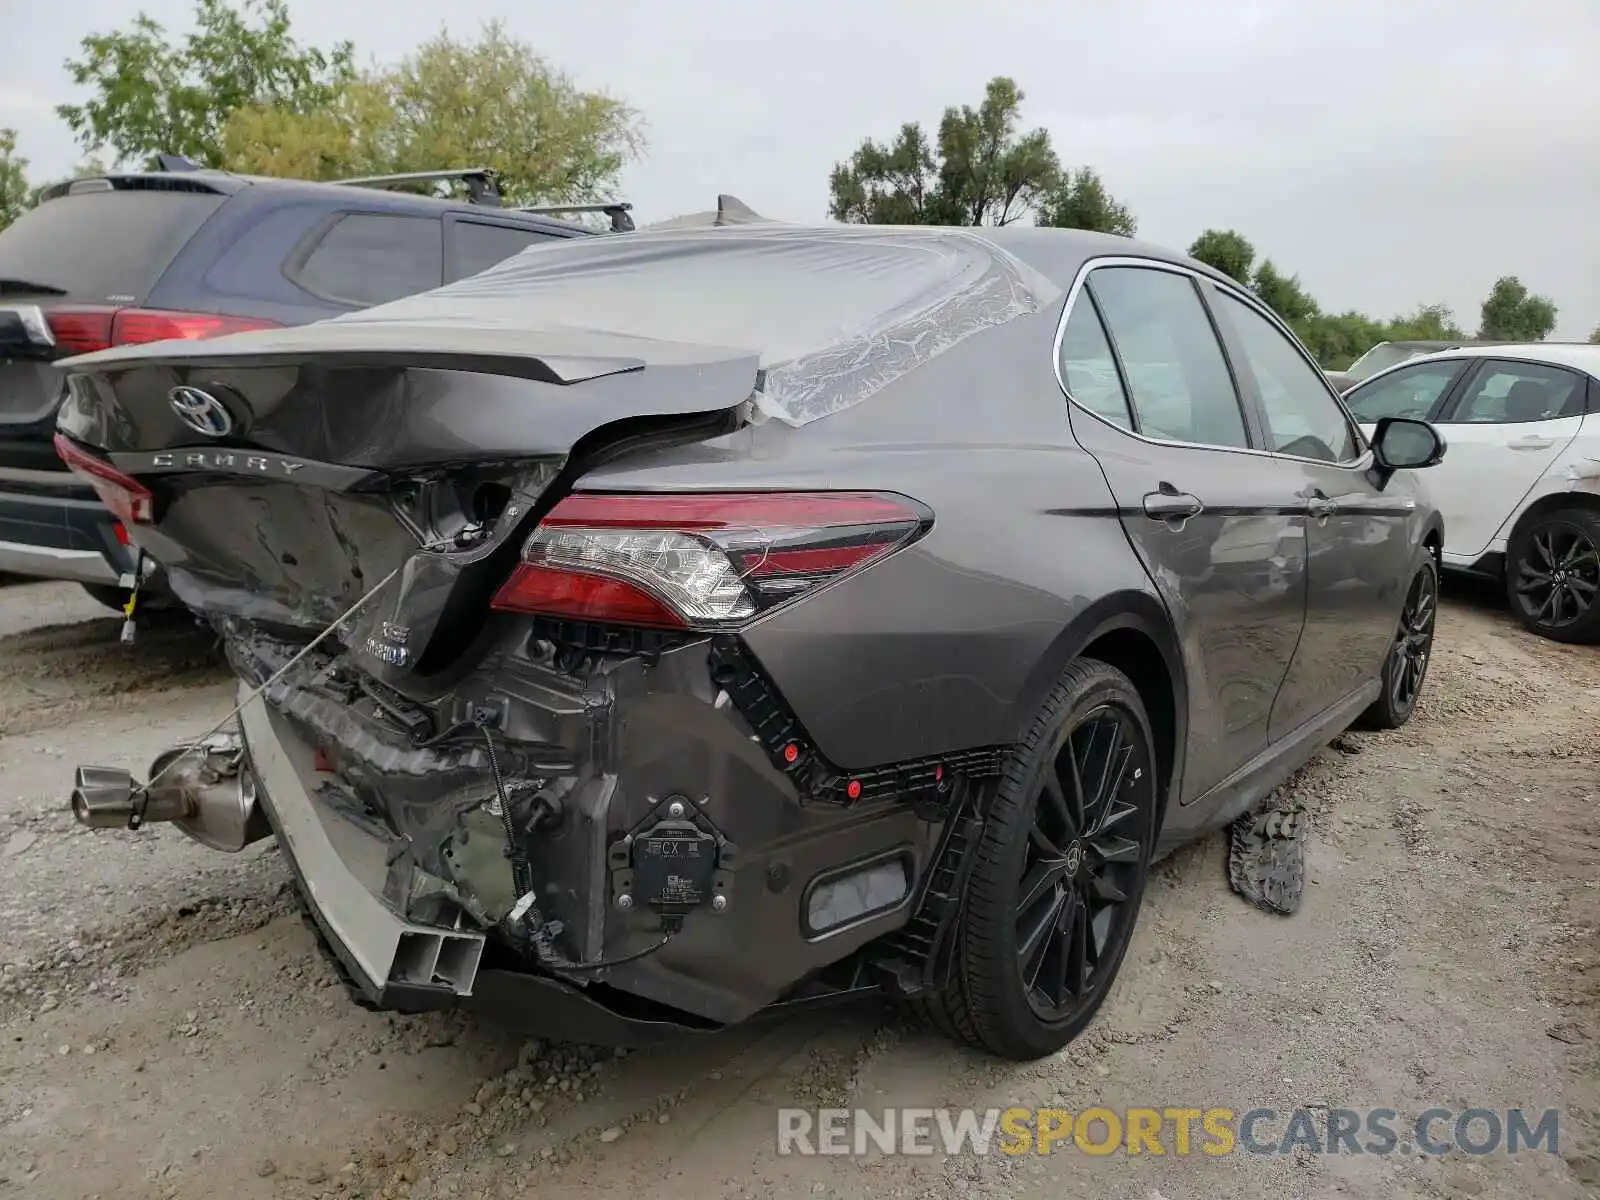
{"x": 658, "y": 631}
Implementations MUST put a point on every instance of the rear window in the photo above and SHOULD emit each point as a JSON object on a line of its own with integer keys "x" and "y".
{"x": 101, "y": 247}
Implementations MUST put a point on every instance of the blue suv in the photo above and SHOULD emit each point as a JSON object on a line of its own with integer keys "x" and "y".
{"x": 190, "y": 253}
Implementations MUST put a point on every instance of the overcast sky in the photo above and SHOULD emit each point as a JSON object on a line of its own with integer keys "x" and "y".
{"x": 1390, "y": 152}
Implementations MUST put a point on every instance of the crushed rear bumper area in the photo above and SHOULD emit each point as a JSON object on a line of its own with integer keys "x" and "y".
{"x": 416, "y": 929}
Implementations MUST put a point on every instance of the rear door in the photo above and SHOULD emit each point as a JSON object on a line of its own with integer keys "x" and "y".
{"x": 1506, "y": 426}
{"x": 1218, "y": 525}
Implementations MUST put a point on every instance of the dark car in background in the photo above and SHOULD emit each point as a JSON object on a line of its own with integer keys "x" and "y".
{"x": 136, "y": 257}
{"x": 653, "y": 631}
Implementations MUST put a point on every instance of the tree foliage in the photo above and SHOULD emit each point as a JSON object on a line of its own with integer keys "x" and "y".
{"x": 982, "y": 169}
{"x": 14, "y": 191}
{"x": 152, "y": 95}
{"x": 1226, "y": 251}
{"x": 1594, "y": 338}
{"x": 1511, "y": 314}
{"x": 492, "y": 102}
{"x": 1080, "y": 201}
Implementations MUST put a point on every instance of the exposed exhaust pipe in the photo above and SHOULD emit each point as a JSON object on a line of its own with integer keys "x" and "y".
{"x": 205, "y": 790}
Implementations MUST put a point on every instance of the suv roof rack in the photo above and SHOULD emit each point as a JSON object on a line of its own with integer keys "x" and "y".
{"x": 618, "y": 211}
{"x": 481, "y": 188}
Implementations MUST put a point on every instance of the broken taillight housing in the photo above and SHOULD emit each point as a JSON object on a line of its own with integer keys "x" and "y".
{"x": 126, "y": 497}
{"x": 700, "y": 560}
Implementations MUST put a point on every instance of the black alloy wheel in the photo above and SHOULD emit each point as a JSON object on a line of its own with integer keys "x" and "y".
{"x": 1553, "y": 576}
{"x": 1405, "y": 667}
{"x": 1084, "y": 855}
{"x": 1058, "y": 871}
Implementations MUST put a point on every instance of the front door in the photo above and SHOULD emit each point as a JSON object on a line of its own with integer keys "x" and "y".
{"x": 1218, "y": 527}
{"x": 1358, "y": 539}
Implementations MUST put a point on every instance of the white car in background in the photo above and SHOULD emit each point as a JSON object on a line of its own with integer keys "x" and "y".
{"x": 1519, "y": 487}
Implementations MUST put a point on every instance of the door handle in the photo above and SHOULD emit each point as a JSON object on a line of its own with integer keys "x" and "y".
{"x": 1531, "y": 442}
{"x": 1320, "y": 507}
{"x": 1169, "y": 504}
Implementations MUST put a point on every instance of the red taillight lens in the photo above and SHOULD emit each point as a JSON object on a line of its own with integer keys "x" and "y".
{"x": 84, "y": 330}
{"x": 707, "y": 560}
{"x": 126, "y": 497}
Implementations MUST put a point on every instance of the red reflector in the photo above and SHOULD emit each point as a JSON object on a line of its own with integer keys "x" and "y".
{"x": 121, "y": 532}
{"x": 938, "y": 774}
{"x": 853, "y": 789}
{"x": 84, "y": 330}
{"x": 125, "y": 496}
{"x": 582, "y": 597}
{"x": 791, "y": 752}
{"x": 321, "y": 762}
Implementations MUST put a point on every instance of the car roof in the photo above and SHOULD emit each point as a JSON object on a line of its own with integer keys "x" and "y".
{"x": 1580, "y": 356}
{"x": 228, "y": 183}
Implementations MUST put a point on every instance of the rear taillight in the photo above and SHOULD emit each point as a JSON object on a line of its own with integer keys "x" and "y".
{"x": 704, "y": 560}
{"x": 83, "y": 330}
{"x": 126, "y": 497}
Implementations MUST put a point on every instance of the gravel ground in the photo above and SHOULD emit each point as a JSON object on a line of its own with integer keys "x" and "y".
{"x": 169, "y": 1030}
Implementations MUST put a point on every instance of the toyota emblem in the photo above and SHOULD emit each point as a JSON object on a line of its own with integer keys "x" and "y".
{"x": 201, "y": 411}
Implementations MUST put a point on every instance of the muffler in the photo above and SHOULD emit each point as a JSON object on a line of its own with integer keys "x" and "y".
{"x": 206, "y": 790}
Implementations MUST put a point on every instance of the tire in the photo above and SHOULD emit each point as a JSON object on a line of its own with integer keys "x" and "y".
{"x": 1079, "y": 825}
{"x": 1405, "y": 667}
{"x": 1553, "y": 575}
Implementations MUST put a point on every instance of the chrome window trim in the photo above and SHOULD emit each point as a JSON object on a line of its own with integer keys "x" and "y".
{"x": 1360, "y": 463}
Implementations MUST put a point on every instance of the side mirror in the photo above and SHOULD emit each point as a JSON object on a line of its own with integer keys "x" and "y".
{"x": 1404, "y": 444}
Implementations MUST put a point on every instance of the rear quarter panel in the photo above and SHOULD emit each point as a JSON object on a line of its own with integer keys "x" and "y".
{"x": 953, "y": 642}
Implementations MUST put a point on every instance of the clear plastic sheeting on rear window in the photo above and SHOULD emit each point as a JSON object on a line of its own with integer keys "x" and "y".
{"x": 834, "y": 314}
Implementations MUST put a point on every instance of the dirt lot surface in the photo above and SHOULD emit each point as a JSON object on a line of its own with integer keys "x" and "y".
{"x": 169, "y": 1031}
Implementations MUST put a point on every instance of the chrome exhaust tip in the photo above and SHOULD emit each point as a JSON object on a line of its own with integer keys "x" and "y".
{"x": 205, "y": 789}
{"x": 102, "y": 797}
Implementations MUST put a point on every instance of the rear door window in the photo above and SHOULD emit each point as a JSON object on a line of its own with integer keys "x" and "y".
{"x": 105, "y": 247}
{"x": 1182, "y": 388}
{"x": 476, "y": 246}
{"x": 1513, "y": 393}
{"x": 372, "y": 258}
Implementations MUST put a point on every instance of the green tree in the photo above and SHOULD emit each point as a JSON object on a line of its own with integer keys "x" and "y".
{"x": 492, "y": 102}
{"x": 981, "y": 170}
{"x": 1080, "y": 201}
{"x": 150, "y": 95}
{"x": 1594, "y": 338}
{"x": 1428, "y": 323}
{"x": 896, "y": 183}
{"x": 1226, "y": 251}
{"x": 1512, "y": 314}
{"x": 1283, "y": 293}
{"x": 14, "y": 191}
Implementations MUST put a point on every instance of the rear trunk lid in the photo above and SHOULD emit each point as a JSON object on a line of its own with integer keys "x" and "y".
{"x": 295, "y": 469}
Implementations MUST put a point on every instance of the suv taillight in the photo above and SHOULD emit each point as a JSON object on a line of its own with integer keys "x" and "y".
{"x": 126, "y": 497}
{"x": 700, "y": 560}
{"x": 81, "y": 330}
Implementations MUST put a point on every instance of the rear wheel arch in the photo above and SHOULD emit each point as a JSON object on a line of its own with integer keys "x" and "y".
{"x": 1132, "y": 632}
{"x": 1553, "y": 502}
